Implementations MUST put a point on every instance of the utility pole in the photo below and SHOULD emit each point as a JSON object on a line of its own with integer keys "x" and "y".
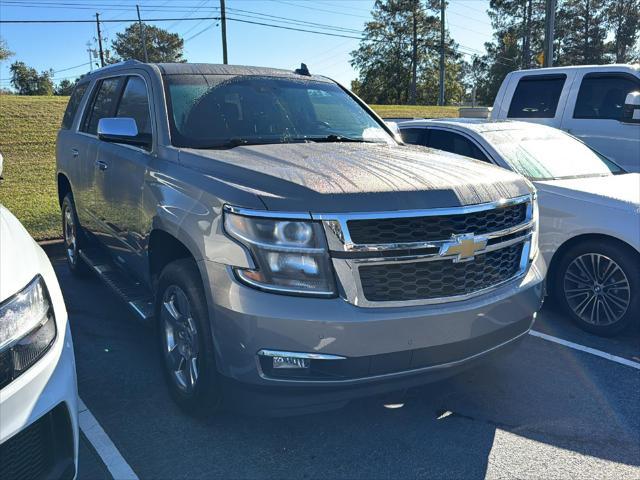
{"x": 223, "y": 24}
{"x": 549, "y": 30}
{"x": 100, "y": 40}
{"x": 142, "y": 36}
{"x": 441, "y": 95}
{"x": 90, "y": 50}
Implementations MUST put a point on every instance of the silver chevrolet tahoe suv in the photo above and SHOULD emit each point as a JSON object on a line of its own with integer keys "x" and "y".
{"x": 291, "y": 253}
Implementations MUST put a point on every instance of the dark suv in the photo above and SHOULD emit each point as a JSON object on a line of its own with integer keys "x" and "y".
{"x": 284, "y": 241}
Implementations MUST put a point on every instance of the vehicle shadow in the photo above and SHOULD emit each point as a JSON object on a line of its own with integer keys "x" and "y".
{"x": 543, "y": 396}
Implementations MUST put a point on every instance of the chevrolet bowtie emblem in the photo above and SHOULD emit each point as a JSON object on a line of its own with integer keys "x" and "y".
{"x": 464, "y": 246}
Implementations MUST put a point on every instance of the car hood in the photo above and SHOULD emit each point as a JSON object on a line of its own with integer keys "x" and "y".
{"x": 618, "y": 191}
{"x": 339, "y": 177}
{"x": 19, "y": 255}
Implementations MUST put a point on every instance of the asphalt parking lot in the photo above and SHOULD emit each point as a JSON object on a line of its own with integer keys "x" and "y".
{"x": 543, "y": 411}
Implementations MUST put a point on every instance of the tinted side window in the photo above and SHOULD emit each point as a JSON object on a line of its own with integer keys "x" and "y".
{"x": 104, "y": 104}
{"x": 454, "y": 143}
{"x": 603, "y": 96}
{"x": 135, "y": 104}
{"x": 536, "y": 97}
{"x": 414, "y": 136}
{"x": 72, "y": 106}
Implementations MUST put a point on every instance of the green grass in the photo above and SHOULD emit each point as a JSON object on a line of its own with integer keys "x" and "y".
{"x": 28, "y": 127}
{"x": 414, "y": 111}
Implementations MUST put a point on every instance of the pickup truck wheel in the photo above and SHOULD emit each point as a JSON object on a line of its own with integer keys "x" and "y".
{"x": 185, "y": 338}
{"x": 73, "y": 237}
{"x": 598, "y": 285}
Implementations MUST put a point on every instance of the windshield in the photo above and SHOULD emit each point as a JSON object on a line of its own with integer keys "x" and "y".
{"x": 224, "y": 111}
{"x": 548, "y": 154}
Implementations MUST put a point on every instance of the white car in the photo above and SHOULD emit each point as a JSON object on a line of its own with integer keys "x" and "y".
{"x": 599, "y": 104}
{"x": 589, "y": 211}
{"x": 38, "y": 389}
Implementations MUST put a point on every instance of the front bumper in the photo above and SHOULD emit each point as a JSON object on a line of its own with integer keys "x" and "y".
{"x": 400, "y": 346}
{"x": 39, "y": 413}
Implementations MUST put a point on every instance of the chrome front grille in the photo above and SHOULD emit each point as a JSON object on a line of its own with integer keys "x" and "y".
{"x": 437, "y": 227}
{"x": 429, "y": 256}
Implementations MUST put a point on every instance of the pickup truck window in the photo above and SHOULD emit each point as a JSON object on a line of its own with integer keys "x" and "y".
{"x": 223, "y": 111}
{"x": 135, "y": 104}
{"x": 602, "y": 95}
{"x": 548, "y": 155}
{"x": 536, "y": 96}
{"x": 72, "y": 106}
{"x": 104, "y": 104}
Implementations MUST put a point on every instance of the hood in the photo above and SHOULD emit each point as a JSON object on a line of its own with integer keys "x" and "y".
{"x": 19, "y": 255}
{"x": 618, "y": 191}
{"x": 340, "y": 177}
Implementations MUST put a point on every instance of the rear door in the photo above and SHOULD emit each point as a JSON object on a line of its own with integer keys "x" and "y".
{"x": 594, "y": 111}
{"x": 78, "y": 169}
{"x": 121, "y": 175}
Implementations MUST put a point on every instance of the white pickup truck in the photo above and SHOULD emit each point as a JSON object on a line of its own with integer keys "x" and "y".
{"x": 599, "y": 104}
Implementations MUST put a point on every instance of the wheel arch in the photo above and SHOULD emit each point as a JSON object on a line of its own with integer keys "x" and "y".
{"x": 64, "y": 187}
{"x": 164, "y": 248}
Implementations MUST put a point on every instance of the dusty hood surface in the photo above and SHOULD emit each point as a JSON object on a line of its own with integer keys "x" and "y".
{"x": 339, "y": 177}
{"x": 621, "y": 191}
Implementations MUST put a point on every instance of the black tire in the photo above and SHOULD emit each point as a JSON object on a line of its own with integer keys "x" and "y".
{"x": 73, "y": 237}
{"x": 202, "y": 397}
{"x": 585, "y": 298}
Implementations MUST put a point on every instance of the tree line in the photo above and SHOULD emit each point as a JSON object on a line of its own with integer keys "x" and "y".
{"x": 397, "y": 60}
{"x": 162, "y": 46}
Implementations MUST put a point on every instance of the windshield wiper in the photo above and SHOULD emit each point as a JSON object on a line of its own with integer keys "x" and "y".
{"x": 338, "y": 138}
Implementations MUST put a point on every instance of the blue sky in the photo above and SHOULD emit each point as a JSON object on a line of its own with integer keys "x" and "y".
{"x": 63, "y": 47}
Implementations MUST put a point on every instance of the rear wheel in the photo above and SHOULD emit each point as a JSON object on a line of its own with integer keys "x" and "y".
{"x": 185, "y": 339}
{"x": 598, "y": 285}
{"x": 73, "y": 237}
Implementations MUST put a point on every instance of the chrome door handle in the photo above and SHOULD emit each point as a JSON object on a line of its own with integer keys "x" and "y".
{"x": 102, "y": 165}
{"x": 75, "y": 153}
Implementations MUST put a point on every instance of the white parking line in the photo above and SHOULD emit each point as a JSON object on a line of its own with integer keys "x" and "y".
{"x": 111, "y": 457}
{"x": 582, "y": 348}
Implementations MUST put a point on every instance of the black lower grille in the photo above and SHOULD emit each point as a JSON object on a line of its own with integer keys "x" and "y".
{"x": 431, "y": 228}
{"x": 42, "y": 450}
{"x": 440, "y": 278}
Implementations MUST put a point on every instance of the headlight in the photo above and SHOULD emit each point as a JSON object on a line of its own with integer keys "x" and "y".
{"x": 290, "y": 255}
{"x": 27, "y": 329}
{"x": 535, "y": 217}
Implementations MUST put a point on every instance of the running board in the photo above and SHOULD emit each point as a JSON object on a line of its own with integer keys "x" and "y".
{"x": 136, "y": 296}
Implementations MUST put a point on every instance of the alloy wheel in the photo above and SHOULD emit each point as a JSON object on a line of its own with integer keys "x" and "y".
{"x": 597, "y": 289}
{"x": 180, "y": 337}
{"x": 70, "y": 235}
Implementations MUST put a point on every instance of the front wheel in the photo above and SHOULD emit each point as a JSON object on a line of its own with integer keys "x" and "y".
{"x": 598, "y": 285}
{"x": 185, "y": 339}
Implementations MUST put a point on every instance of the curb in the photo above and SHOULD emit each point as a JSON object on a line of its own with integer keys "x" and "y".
{"x": 53, "y": 248}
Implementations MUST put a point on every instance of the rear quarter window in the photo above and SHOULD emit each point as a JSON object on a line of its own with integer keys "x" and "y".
{"x": 536, "y": 96}
{"x": 72, "y": 106}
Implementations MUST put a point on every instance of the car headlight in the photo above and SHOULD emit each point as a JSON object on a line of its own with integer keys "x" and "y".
{"x": 535, "y": 235}
{"x": 27, "y": 329}
{"x": 290, "y": 255}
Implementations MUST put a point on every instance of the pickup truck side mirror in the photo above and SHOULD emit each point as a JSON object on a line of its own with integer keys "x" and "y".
{"x": 631, "y": 110}
{"x": 122, "y": 130}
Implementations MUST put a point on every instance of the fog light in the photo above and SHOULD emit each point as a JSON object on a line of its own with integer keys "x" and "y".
{"x": 290, "y": 362}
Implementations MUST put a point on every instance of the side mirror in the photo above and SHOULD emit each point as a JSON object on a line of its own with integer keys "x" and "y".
{"x": 122, "y": 130}
{"x": 631, "y": 110}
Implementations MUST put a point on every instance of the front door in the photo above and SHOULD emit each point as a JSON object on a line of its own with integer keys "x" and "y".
{"x": 595, "y": 119}
{"x": 121, "y": 173}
